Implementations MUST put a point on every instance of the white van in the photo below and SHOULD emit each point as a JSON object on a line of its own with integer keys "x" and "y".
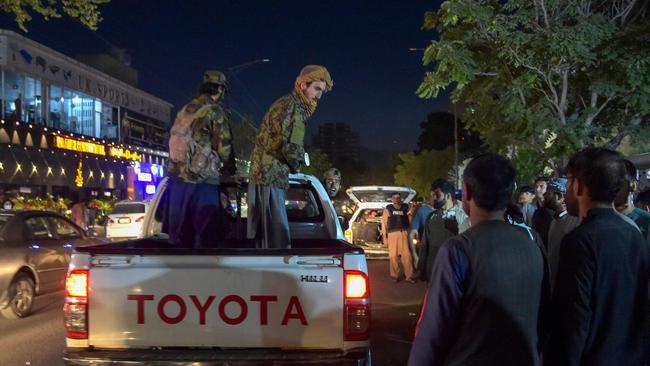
{"x": 365, "y": 223}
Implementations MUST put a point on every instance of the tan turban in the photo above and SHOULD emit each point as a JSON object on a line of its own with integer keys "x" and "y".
{"x": 311, "y": 73}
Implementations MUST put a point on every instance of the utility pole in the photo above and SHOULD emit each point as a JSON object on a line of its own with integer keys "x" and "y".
{"x": 456, "y": 185}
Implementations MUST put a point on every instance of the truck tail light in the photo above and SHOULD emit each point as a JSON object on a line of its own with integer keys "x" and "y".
{"x": 75, "y": 310}
{"x": 139, "y": 219}
{"x": 357, "y": 306}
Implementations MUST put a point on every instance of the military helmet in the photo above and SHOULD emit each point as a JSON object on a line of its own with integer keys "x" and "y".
{"x": 332, "y": 173}
{"x": 215, "y": 77}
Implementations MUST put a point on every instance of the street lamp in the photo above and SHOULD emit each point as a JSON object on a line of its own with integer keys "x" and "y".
{"x": 236, "y": 68}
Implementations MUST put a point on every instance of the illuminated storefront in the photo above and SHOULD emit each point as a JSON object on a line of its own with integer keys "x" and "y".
{"x": 36, "y": 160}
{"x": 71, "y": 130}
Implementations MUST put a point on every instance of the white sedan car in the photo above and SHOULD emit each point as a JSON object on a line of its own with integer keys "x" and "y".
{"x": 125, "y": 221}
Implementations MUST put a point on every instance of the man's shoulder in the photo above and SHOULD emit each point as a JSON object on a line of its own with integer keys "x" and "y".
{"x": 283, "y": 101}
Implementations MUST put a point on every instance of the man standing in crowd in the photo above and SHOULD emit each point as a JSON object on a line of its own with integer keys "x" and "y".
{"x": 541, "y": 220}
{"x": 643, "y": 200}
{"x": 416, "y": 228}
{"x": 200, "y": 150}
{"x": 279, "y": 151}
{"x": 394, "y": 226}
{"x": 601, "y": 291}
{"x": 562, "y": 224}
{"x": 526, "y": 204}
{"x": 441, "y": 224}
{"x": 624, "y": 201}
{"x": 541, "y": 184}
{"x": 488, "y": 284}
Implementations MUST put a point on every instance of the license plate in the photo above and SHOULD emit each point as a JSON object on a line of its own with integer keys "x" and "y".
{"x": 124, "y": 220}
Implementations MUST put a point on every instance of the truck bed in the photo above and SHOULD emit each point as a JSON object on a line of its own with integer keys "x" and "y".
{"x": 230, "y": 247}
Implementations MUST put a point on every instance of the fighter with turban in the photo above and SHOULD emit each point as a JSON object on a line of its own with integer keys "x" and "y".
{"x": 279, "y": 151}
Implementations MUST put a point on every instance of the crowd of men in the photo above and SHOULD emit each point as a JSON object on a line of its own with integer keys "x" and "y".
{"x": 559, "y": 277}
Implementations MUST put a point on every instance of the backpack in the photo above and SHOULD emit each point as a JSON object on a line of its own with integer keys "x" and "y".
{"x": 195, "y": 157}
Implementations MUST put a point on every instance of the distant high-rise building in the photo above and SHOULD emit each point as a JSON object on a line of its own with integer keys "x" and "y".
{"x": 339, "y": 141}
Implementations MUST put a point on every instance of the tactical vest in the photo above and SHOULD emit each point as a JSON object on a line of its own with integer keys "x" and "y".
{"x": 397, "y": 218}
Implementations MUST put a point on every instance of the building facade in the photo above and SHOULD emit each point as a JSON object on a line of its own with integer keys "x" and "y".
{"x": 70, "y": 130}
{"x": 339, "y": 141}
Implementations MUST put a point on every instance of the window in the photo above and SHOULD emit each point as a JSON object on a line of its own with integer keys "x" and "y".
{"x": 13, "y": 95}
{"x": 37, "y": 228}
{"x": 64, "y": 228}
{"x": 301, "y": 204}
{"x": 33, "y": 102}
{"x": 56, "y": 107}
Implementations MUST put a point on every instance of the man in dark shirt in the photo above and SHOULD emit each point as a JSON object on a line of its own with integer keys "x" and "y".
{"x": 488, "y": 285}
{"x": 601, "y": 291}
{"x": 562, "y": 223}
{"x": 624, "y": 201}
{"x": 541, "y": 221}
{"x": 440, "y": 225}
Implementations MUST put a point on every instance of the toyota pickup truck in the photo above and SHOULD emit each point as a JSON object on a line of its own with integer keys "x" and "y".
{"x": 144, "y": 302}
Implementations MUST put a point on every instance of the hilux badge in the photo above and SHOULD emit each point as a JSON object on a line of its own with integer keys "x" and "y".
{"x": 314, "y": 278}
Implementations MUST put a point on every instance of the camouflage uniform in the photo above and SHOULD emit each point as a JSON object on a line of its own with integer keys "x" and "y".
{"x": 200, "y": 143}
{"x": 210, "y": 127}
{"x": 279, "y": 148}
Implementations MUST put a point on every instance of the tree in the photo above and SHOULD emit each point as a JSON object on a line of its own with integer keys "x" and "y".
{"x": 437, "y": 133}
{"x": 319, "y": 163}
{"x": 419, "y": 170}
{"x": 543, "y": 78}
{"x": 244, "y": 135}
{"x": 87, "y": 11}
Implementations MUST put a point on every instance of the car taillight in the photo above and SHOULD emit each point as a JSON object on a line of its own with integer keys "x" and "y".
{"x": 356, "y": 290}
{"x": 139, "y": 219}
{"x": 348, "y": 235}
{"x": 75, "y": 309}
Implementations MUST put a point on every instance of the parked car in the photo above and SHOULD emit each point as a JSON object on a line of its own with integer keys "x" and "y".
{"x": 365, "y": 224}
{"x": 35, "y": 249}
{"x": 125, "y": 221}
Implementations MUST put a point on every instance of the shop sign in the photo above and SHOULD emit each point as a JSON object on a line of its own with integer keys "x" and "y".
{"x": 79, "y": 146}
{"x": 150, "y": 189}
{"x": 144, "y": 177}
{"x": 122, "y": 153}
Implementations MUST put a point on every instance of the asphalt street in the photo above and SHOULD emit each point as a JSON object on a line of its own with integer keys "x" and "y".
{"x": 39, "y": 339}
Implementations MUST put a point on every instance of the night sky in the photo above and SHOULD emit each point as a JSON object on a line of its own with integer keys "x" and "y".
{"x": 364, "y": 44}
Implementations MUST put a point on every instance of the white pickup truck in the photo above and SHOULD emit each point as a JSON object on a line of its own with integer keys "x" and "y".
{"x": 144, "y": 302}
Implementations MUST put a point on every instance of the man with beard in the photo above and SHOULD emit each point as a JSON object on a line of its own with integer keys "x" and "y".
{"x": 601, "y": 290}
{"x": 279, "y": 151}
{"x": 487, "y": 289}
{"x": 624, "y": 201}
{"x": 441, "y": 224}
{"x": 332, "y": 182}
{"x": 394, "y": 227}
{"x": 562, "y": 223}
{"x": 541, "y": 220}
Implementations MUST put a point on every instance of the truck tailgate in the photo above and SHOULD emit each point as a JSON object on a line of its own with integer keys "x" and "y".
{"x": 290, "y": 302}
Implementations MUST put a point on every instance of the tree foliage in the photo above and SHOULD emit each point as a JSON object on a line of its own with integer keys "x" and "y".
{"x": 87, "y": 11}
{"x": 544, "y": 77}
{"x": 419, "y": 170}
{"x": 319, "y": 163}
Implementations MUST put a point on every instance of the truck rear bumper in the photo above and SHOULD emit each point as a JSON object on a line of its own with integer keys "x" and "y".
{"x": 216, "y": 357}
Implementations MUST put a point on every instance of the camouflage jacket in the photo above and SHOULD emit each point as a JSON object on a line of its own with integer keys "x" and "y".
{"x": 209, "y": 128}
{"x": 279, "y": 147}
